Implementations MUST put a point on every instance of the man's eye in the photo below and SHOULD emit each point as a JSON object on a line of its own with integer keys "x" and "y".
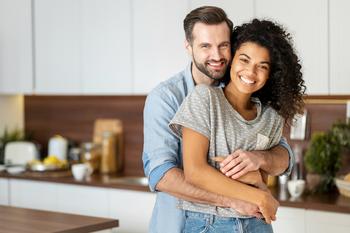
{"x": 224, "y": 46}
{"x": 205, "y": 46}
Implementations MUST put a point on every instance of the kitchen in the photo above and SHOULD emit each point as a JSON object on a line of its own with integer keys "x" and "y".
{"x": 66, "y": 63}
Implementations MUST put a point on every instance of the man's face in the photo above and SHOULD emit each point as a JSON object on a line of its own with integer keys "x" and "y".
{"x": 210, "y": 50}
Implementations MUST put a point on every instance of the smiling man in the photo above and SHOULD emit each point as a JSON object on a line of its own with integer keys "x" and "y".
{"x": 208, "y": 35}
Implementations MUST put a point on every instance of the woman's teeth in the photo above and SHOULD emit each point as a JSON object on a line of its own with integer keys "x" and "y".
{"x": 247, "y": 81}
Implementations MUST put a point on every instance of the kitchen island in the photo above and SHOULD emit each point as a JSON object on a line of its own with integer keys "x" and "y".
{"x": 20, "y": 220}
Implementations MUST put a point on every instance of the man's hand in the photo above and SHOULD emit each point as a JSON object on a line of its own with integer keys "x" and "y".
{"x": 244, "y": 208}
{"x": 240, "y": 163}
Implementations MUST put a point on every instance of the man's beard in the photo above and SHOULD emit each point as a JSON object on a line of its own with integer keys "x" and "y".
{"x": 202, "y": 67}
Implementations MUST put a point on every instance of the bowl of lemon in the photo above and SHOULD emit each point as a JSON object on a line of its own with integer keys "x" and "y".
{"x": 50, "y": 163}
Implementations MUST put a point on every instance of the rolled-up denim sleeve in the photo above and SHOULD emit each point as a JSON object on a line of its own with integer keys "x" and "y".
{"x": 283, "y": 142}
{"x": 161, "y": 147}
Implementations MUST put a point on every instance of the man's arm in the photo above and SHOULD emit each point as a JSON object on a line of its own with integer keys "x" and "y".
{"x": 276, "y": 161}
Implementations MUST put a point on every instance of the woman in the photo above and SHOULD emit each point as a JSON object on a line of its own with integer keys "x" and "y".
{"x": 264, "y": 91}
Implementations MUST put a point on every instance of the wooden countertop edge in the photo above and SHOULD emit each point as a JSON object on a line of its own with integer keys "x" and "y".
{"x": 302, "y": 204}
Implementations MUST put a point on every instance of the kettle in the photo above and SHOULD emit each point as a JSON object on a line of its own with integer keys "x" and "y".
{"x": 58, "y": 146}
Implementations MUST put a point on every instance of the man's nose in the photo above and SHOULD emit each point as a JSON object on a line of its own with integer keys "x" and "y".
{"x": 216, "y": 54}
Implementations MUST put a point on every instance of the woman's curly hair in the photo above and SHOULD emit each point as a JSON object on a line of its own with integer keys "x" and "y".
{"x": 285, "y": 87}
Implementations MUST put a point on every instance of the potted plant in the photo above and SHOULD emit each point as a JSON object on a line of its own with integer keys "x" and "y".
{"x": 323, "y": 158}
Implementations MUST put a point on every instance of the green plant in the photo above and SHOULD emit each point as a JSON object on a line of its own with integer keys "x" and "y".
{"x": 323, "y": 155}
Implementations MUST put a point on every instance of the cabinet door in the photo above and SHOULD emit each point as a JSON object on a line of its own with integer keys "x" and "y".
{"x": 237, "y": 11}
{"x": 57, "y": 46}
{"x": 4, "y": 191}
{"x": 339, "y": 47}
{"x": 326, "y": 222}
{"x": 106, "y": 47}
{"x": 310, "y": 36}
{"x": 83, "y": 46}
{"x": 33, "y": 194}
{"x": 289, "y": 220}
{"x": 158, "y": 39}
{"x": 16, "y": 67}
{"x": 132, "y": 208}
{"x": 76, "y": 199}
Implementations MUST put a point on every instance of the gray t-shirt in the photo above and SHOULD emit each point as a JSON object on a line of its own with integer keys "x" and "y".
{"x": 207, "y": 111}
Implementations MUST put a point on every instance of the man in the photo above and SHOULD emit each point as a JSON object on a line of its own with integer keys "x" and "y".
{"x": 208, "y": 32}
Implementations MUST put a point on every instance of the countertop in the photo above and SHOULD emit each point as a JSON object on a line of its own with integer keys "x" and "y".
{"x": 17, "y": 220}
{"x": 332, "y": 202}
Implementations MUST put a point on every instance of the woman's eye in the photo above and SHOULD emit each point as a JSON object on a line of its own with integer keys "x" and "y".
{"x": 244, "y": 60}
{"x": 264, "y": 67}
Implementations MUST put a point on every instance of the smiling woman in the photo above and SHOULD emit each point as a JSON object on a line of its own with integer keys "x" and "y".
{"x": 237, "y": 120}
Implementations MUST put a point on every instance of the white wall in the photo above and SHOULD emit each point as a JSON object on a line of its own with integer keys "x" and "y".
{"x": 11, "y": 112}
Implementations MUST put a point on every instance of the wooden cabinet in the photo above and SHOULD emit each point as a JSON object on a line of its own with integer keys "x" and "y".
{"x": 83, "y": 47}
{"x": 4, "y": 192}
{"x": 339, "y": 32}
{"x": 132, "y": 208}
{"x": 158, "y": 42}
{"x": 16, "y": 70}
{"x": 310, "y": 35}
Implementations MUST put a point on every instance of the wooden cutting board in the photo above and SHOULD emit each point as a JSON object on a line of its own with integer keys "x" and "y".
{"x": 116, "y": 127}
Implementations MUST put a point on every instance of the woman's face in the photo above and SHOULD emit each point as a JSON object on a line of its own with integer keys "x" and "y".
{"x": 250, "y": 67}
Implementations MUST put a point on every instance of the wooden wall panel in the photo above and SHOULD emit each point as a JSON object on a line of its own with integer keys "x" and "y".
{"x": 73, "y": 117}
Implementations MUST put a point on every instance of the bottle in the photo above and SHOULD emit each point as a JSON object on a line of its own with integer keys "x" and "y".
{"x": 108, "y": 156}
{"x": 91, "y": 155}
{"x": 296, "y": 172}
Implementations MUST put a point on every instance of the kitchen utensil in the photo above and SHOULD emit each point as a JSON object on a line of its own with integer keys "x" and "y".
{"x": 81, "y": 170}
{"x": 58, "y": 146}
{"x": 115, "y": 126}
{"x": 19, "y": 153}
{"x": 296, "y": 187}
{"x": 343, "y": 186}
{"x": 17, "y": 169}
{"x": 91, "y": 154}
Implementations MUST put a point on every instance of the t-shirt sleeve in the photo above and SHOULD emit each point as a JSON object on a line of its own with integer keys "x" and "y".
{"x": 194, "y": 113}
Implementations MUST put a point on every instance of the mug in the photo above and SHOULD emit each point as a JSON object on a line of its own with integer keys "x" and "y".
{"x": 81, "y": 171}
{"x": 296, "y": 187}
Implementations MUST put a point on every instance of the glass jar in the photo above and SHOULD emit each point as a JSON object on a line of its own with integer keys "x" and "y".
{"x": 91, "y": 154}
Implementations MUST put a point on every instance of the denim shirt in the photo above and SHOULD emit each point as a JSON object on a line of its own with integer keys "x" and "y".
{"x": 162, "y": 150}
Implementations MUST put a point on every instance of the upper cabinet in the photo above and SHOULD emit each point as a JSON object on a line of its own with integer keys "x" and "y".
{"x": 158, "y": 42}
{"x": 309, "y": 33}
{"x": 83, "y": 47}
{"x": 339, "y": 33}
{"x": 16, "y": 68}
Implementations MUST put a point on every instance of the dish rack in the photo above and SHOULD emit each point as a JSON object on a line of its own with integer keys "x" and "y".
{"x": 343, "y": 186}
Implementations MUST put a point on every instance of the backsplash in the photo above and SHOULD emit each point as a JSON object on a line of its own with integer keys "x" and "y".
{"x": 73, "y": 117}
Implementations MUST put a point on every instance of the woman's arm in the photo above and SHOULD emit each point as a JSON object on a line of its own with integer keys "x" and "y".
{"x": 200, "y": 173}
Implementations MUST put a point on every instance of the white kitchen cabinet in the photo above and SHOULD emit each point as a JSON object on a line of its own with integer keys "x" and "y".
{"x": 4, "y": 191}
{"x": 158, "y": 42}
{"x": 289, "y": 220}
{"x": 326, "y": 222}
{"x": 16, "y": 69}
{"x": 310, "y": 35}
{"x": 84, "y": 200}
{"x": 132, "y": 208}
{"x": 33, "y": 194}
{"x": 339, "y": 33}
{"x": 83, "y": 47}
{"x": 238, "y": 11}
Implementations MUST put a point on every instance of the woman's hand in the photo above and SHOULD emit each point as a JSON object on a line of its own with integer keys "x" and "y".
{"x": 268, "y": 207}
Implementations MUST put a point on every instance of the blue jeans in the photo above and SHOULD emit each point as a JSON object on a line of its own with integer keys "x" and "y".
{"x": 206, "y": 223}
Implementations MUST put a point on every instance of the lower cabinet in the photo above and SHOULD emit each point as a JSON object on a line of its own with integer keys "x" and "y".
{"x": 289, "y": 220}
{"x": 133, "y": 209}
{"x": 4, "y": 192}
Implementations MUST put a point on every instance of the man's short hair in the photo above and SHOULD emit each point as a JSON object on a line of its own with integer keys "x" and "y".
{"x": 210, "y": 15}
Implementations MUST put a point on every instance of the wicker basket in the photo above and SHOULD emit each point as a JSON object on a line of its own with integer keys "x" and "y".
{"x": 343, "y": 186}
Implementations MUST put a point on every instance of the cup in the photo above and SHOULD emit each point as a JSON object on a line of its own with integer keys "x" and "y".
{"x": 81, "y": 171}
{"x": 296, "y": 187}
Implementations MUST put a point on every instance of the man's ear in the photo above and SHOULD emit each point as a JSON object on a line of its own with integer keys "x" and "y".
{"x": 188, "y": 47}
